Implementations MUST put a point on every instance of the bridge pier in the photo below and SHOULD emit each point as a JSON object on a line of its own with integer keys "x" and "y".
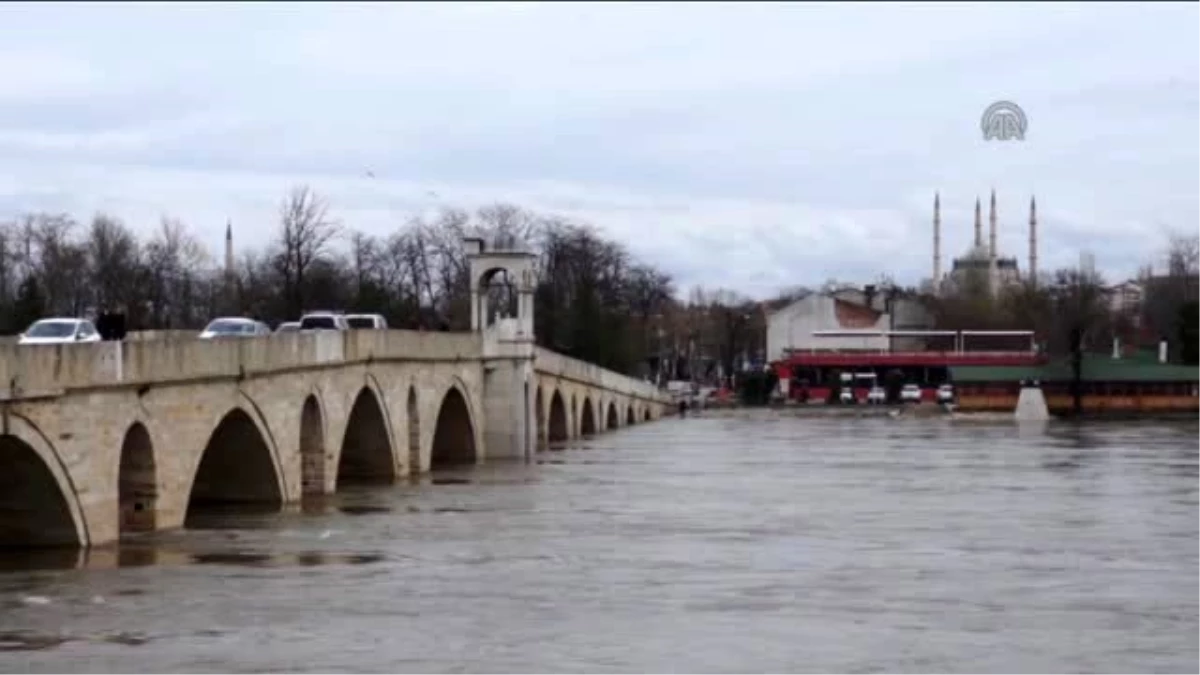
{"x": 509, "y": 383}
{"x": 509, "y": 387}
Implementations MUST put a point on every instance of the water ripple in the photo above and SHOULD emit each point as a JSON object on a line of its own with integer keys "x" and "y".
{"x": 747, "y": 542}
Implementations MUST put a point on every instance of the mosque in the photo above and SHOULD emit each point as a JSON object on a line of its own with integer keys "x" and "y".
{"x": 980, "y": 262}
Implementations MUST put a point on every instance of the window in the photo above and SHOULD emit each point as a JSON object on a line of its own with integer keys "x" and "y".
{"x": 318, "y": 323}
{"x": 51, "y": 329}
{"x": 230, "y": 327}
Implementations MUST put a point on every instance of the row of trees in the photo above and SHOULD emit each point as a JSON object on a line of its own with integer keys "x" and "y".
{"x": 1049, "y": 307}
{"x": 1078, "y": 300}
{"x": 593, "y": 300}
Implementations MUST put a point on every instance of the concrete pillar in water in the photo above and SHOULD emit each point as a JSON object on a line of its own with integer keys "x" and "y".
{"x": 1031, "y": 405}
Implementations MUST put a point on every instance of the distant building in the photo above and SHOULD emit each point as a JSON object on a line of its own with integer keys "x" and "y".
{"x": 1125, "y": 297}
{"x": 792, "y": 327}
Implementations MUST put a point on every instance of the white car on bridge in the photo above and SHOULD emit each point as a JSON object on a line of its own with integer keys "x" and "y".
{"x": 234, "y": 326}
{"x": 366, "y": 322}
{"x": 59, "y": 331}
{"x": 317, "y": 321}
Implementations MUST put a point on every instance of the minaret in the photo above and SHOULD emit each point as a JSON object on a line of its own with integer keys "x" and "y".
{"x": 229, "y": 249}
{"x": 992, "y": 229}
{"x": 978, "y": 226}
{"x": 1033, "y": 257}
{"x": 229, "y": 271}
{"x": 937, "y": 243}
{"x": 993, "y": 265}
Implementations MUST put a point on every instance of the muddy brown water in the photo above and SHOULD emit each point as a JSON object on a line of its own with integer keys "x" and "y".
{"x": 753, "y": 541}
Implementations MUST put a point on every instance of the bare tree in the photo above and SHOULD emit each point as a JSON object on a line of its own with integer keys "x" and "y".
{"x": 305, "y": 232}
{"x": 1167, "y": 296}
{"x": 592, "y": 300}
{"x": 114, "y": 259}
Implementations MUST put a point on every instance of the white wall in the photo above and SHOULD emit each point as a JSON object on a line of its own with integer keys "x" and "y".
{"x": 793, "y": 325}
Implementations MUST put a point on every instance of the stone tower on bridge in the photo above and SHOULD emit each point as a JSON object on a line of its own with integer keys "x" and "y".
{"x": 508, "y": 345}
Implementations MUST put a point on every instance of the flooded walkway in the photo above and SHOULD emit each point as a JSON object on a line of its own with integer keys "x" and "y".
{"x": 747, "y": 542}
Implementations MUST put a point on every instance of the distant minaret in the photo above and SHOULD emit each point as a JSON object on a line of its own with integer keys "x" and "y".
{"x": 978, "y": 225}
{"x": 992, "y": 228}
{"x": 229, "y": 249}
{"x": 937, "y": 242}
{"x": 1033, "y": 256}
{"x": 230, "y": 276}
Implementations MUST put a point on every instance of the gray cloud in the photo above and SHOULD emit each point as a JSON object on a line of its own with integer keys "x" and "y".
{"x": 751, "y": 146}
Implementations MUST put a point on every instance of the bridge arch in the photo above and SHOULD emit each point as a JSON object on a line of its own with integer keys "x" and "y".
{"x": 612, "y": 421}
{"x": 413, "y": 419}
{"x": 39, "y": 506}
{"x": 646, "y": 414}
{"x": 312, "y": 447}
{"x": 587, "y": 418}
{"x": 629, "y": 417}
{"x": 558, "y": 430}
{"x": 237, "y": 466}
{"x": 454, "y": 442}
{"x": 366, "y": 455}
{"x": 137, "y": 482}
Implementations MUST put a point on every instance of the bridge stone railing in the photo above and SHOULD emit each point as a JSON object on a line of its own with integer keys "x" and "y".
{"x": 30, "y": 371}
{"x": 553, "y": 363}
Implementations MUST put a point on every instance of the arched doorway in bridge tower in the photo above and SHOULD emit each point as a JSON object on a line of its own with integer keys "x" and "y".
{"x": 454, "y": 435}
{"x": 587, "y": 420}
{"x": 500, "y": 298}
{"x": 137, "y": 484}
{"x": 33, "y": 510}
{"x": 235, "y": 469}
{"x": 557, "y": 431}
{"x": 414, "y": 433}
{"x": 629, "y": 418}
{"x": 646, "y": 415}
{"x": 366, "y": 451}
{"x": 312, "y": 449}
{"x": 502, "y": 283}
{"x": 612, "y": 421}
{"x": 540, "y": 420}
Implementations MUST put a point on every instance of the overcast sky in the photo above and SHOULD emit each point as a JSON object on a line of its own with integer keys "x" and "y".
{"x": 746, "y": 146}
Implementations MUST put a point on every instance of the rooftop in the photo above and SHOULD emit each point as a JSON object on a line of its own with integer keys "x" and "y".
{"x": 854, "y": 315}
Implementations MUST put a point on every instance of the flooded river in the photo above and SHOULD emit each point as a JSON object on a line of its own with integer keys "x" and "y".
{"x": 750, "y": 542}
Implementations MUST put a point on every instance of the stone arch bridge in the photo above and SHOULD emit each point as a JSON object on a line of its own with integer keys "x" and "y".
{"x": 101, "y": 439}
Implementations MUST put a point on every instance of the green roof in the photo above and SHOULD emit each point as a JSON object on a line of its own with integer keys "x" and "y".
{"x": 1095, "y": 369}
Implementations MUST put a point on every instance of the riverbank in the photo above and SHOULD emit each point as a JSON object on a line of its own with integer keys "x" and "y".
{"x": 930, "y": 411}
{"x": 826, "y": 410}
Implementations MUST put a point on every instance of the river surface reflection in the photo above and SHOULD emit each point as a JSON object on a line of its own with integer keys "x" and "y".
{"x": 754, "y": 541}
